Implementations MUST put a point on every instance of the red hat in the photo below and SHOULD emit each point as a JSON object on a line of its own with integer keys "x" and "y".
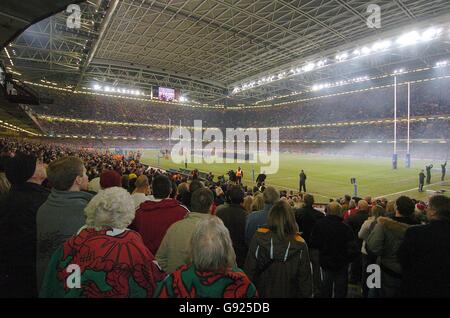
{"x": 109, "y": 179}
{"x": 420, "y": 206}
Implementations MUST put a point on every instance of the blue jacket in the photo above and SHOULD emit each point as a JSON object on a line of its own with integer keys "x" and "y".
{"x": 255, "y": 220}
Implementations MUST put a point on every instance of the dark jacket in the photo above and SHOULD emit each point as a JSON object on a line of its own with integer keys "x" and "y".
{"x": 302, "y": 177}
{"x": 59, "y": 218}
{"x": 355, "y": 221}
{"x": 153, "y": 218}
{"x": 425, "y": 260}
{"x": 421, "y": 178}
{"x": 234, "y": 218}
{"x": 332, "y": 238}
{"x": 306, "y": 219}
{"x": 279, "y": 269}
{"x": 18, "y": 240}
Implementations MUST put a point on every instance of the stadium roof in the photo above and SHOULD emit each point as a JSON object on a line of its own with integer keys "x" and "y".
{"x": 16, "y": 16}
{"x": 207, "y": 48}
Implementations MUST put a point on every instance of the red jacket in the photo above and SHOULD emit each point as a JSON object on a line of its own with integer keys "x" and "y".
{"x": 153, "y": 218}
{"x": 349, "y": 213}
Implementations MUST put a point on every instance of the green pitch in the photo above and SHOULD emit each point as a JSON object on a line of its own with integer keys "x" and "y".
{"x": 329, "y": 177}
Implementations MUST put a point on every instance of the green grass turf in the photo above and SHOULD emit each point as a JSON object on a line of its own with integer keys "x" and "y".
{"x": 329, "y": 177}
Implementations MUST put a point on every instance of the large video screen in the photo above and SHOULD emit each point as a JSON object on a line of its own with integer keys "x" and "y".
{"x": 166, "y": 94}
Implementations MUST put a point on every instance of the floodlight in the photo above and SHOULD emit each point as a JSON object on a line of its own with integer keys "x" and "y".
{"x": 365, "y": 50}
{"x": 308, "y": 67}
{"x": 431, "y": 34}
{"x": 409, "y": 38}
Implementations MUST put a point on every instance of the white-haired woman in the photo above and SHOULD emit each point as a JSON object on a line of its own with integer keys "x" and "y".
{"x": 212, "y": 273}
{"x": 104, "y": 259}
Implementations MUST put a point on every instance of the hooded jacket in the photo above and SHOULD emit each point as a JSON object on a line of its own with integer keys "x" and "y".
{"x": 279, "y": 269}
{"x": 385, "y": 240}
{"x": 59, "y": 218}
{"x": 153, "y": 218}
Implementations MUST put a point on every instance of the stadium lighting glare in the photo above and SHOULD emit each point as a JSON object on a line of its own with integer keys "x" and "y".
{"x": 9, "y": 57}
{"x": 409, "y": 38}
{"x": 317, "y": 87}
{"x": 108, "y": 89}
{"x": 308, "y": 67}
{"x": 381, "y": 46}
{"x": 431, "y": 34}
{"x": 403, "y": 40}
{"x": 365, "y": 50}
{"x": 341, "y": 57}
{"x": 321, "y": 63}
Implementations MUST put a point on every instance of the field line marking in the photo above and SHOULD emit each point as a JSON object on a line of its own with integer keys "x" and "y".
{"x": 416, "y": 188}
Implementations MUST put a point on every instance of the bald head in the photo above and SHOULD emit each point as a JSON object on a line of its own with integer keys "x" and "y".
{"x": 334, "y": 208}
{"x": 363, "y": 205}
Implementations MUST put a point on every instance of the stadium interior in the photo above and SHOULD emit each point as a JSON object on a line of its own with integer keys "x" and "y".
{"x": 355, "y": 95}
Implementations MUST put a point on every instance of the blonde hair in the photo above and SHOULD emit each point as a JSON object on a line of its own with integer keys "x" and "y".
{"x": 258, "y": 202}
{"x": 377, "y": 211}
{"x": 112, "y": 207}
{"x": 390, "y": 207}
{"x": 334, "y": 208}
{"x": 248, "y": 202}
{"x": 281, "y": 220}
{"x": 141, "y": 182}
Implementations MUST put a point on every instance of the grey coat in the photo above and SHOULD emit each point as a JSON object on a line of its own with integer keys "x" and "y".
{"x": 385, "y": 239}
{"x": 60, "y": 217}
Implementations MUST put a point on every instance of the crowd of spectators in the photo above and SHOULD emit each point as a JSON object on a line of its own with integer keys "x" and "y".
{"x": 431, "y": 129}
{"x": 135, "y": 231}
{"x": 427, "y": 99}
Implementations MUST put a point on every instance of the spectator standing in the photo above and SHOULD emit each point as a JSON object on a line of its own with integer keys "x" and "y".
{"x": 278, "y": 260}
{"x": 423, "y": 253}
{"x": 234, "y": 217}
{"x": 62, "y": 215}
{"x": 334, "y": 240}
{"x": 18, "y": 226}
{"x": 306, "y": 219}
{"x": 113, "y": 261}
{"x": 259, "y": 218}
{"x": 174, "y": 249}
{"x": 384, "y": 242}
{"x": 213, "y": 272}
{"x": 154, "y": 217}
